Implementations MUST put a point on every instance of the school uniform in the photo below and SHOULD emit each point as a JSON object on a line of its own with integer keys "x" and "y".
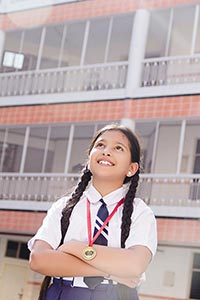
{"x": 142, "y": 232}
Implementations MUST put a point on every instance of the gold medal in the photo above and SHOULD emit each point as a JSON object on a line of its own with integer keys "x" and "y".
{"x": 89, "y": 253}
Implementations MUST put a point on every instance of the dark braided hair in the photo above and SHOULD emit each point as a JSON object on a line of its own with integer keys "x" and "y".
{"x": 128, "y": 203}
{"x": 66, "y": 213}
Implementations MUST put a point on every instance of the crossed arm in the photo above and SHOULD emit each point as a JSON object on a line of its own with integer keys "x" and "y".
{"x": 122, "y": 265}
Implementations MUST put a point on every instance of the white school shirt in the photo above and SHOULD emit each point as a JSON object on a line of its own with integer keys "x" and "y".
{"x": 143, "y": 229}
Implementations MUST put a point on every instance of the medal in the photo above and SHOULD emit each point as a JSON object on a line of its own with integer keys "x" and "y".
{"x": 89, "y": 253}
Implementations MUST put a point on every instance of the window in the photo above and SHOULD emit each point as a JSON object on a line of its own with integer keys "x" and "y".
{"x": 17, "y": 249}
{"x": 30, "y": 47}
{"x": 146, "y": 134}
{"x": 57, "y": 149}
{"x": 157, "y": 35}
{"x": 81, "y": 140}
{"x": 52, "y": 46}
{"x": 168, "y": 138}
{"x": 11, "y": 45}
{"x": 97, "y": 40}
{"x": 197, "y": 158}
{"x": 12, "y": 149}
{"x": 197, "y": 46}
{"x": 182, "y": 29}
{"x": 120, "y": 38}
{"x": 13, "y": 60}
{"x": 191, "y": 148}
{"x": 195, "y": 286}
{"x": 73, "y": 44}
{"x": 35, "y": 149}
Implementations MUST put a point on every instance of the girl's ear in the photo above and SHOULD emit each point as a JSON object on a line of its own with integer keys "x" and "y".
{"x": 132, "y": 169}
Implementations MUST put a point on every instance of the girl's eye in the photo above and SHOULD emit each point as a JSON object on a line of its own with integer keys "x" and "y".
{"x": 99, "y": 145}
{"x": 119, "y": 148}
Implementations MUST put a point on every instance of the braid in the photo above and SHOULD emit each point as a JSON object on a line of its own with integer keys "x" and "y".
{"x": 128, "y": 209}
{"x": 124, "y": 291}
{"x": 66, "y": 213}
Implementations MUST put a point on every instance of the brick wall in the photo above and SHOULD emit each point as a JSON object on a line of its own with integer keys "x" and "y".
{"x": 81, "y": 10}
{"x": 171, "y": 107}
{"x": 169, "y": 230}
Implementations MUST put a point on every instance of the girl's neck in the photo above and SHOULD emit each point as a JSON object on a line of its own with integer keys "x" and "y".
{"x": 105, "y": 188}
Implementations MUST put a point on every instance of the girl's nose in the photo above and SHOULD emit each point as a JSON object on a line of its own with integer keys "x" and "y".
{"x": 107, "y": 151}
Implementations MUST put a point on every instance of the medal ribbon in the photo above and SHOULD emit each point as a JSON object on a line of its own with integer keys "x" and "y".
{"x": 90, "y": 239}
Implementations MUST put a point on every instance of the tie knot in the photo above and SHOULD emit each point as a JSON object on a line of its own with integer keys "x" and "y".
{"x": 102, "y": 201}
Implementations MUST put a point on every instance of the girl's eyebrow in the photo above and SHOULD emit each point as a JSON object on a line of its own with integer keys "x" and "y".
{"x": 116, "y": 142}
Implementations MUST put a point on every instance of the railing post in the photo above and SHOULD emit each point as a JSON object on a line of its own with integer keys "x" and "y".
{"x": 137, "y": 51}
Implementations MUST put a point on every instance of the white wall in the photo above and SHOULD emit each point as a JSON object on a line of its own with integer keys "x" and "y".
{"x": 169, "y": 274}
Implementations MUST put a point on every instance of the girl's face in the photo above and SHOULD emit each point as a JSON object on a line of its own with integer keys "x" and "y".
{"x": 110, "y": 157}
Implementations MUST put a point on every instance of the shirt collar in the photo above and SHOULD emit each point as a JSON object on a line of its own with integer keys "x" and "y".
{"x": 94, "y": 196}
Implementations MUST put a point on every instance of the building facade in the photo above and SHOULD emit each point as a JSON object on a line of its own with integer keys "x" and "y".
{"x": 70, "y": 67}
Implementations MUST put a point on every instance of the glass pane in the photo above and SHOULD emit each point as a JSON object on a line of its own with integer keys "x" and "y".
{"x": 198, "y": 147}
{"x": 195, "y": 287}
{"x": 24, "y": 252}
{"x": 167, "y": 147}
{"x": 119, "y": 47}
{"x": 182, "y": 29}
{"x": 197, "y": 45}
{"x": 11, "y": 250}
{"x": 51, "y": 49}
{"x": 191, "y": 146}
{"x": 97, "y": 41}
{"x": 101, "y": 125}
{"x": 12, "y": 44}
{"x": 73, "y": 44}
{"x": 2, "y": 146}
{"x": 57, "y": 149}
{"x": 35, "y": 150}
{"x": 31, "y": 47}
{"x": 157, "y": 35}
{"x": 82, "y": 137}
{"x": 197, "y": 165}
{"x": 196, "y": 261}
{"x": 13, "y": 150}
{"x": 146, "y": 135}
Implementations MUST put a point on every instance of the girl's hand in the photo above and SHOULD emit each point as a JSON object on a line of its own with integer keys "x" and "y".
{"x": 130, "y": 282}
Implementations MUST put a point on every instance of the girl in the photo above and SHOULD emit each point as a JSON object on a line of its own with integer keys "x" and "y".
{"x": 102, "y": 232}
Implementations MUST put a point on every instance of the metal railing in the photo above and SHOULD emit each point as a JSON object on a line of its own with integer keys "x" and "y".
{"x": 64, "y": 80}
{"x": 155, "y": 189}
{"x": 171, "y": 70}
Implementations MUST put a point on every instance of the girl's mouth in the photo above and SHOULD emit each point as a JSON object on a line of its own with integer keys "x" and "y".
{"x": 105, "y": 163}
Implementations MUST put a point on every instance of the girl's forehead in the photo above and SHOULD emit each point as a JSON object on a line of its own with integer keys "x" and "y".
{"x": 114, "y": 135}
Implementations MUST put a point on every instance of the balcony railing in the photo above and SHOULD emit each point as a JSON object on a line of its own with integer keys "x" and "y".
{"x": 155, "y": 189}
{"x": 64, "y": 80}
{"x": 171, "y": 70}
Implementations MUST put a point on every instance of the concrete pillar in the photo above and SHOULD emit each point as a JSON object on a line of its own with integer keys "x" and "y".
{"x": 137, "y": 51}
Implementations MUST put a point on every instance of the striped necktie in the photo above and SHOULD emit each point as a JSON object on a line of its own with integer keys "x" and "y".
{"x": 102, "y": 239}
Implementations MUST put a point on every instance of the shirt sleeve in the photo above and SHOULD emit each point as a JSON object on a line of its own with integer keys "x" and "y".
{"x": 50, "y": 230}
{"x": 143, "y": 229}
